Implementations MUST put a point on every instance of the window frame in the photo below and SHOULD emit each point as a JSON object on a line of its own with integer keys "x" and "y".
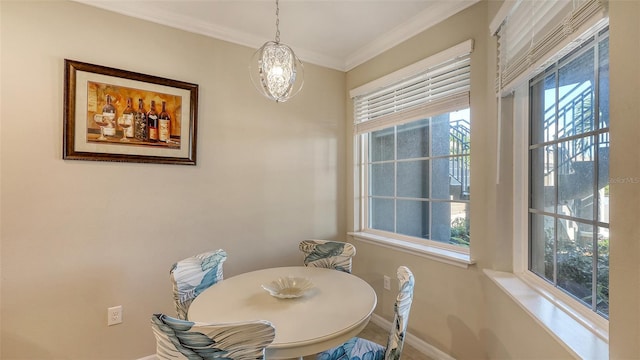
{"x": 582, "y": 332}
{"x": 366, "y": 161}
{"x": 521, "y": 230}
{"x": 435, "y": 250}
{"x": 583, "y": 315}
{"x": 595, "y": 134}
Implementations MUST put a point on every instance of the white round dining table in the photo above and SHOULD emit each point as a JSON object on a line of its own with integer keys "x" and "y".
{"x": 337, "y": 308}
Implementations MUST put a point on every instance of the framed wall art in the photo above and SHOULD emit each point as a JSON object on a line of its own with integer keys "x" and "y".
{"x": 118, "y": 115}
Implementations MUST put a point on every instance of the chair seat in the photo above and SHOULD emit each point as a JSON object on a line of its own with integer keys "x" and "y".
{"x": 354, "y": 349}
{"x": 361, "y": 349}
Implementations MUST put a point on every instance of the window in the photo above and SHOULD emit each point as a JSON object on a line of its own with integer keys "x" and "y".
{"x": 569, "y": 174}
{"x": 552, "y": 84}
{"x": 413, "y": 137}
{"x": 418, "y": 178}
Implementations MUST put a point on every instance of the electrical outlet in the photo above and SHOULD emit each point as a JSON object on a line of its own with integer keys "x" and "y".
{"x": 114, "y": 315}
{"x": 387, "y": 283}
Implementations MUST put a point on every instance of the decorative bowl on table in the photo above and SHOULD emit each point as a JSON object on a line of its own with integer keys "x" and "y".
{"x": 288, "y": 287}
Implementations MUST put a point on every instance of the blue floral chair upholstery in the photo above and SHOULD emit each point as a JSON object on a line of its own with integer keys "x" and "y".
{"x": 328, "y": 254}
{"x": 193, "y": 275}
{"x": 180, "y": 339}
{"x": 361, "y": 349}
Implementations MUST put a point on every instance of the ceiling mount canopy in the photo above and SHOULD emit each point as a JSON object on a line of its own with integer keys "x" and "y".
{"x": 275, "y": 70}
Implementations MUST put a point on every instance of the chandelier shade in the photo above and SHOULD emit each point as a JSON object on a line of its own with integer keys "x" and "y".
{"x": 275, "y": 70}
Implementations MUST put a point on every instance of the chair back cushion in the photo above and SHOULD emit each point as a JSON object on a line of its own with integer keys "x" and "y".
{"x": 402, "y": 307}
{"x": 180, "y": 339}
{"x": 193, "y": 275}
{"x": 328, "y": 254}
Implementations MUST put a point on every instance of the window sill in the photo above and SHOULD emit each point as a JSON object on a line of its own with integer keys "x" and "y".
{"x": 430, "y": 252}
{"x": 581, "y": 340}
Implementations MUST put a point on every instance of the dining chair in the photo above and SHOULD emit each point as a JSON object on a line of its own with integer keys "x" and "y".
{"x": 359, "y": 348}
{"x": 328, "y": 254}
{"x": 193, "y": 275}
{"x": 181, "y": 339}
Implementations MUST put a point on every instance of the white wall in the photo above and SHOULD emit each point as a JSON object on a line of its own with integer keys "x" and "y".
{"x": 79, "y": 236}
{"x": 268, "y": 175}
{"x": 460, "y": 311}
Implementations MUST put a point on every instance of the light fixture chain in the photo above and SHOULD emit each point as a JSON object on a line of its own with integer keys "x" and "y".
{"x": 277, "y": 22}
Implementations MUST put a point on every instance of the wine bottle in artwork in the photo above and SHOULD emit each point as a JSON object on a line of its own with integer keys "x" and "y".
{"x": 128, "y": 115}
{"x": 152, "y": 122}
{"x": 140, "y": 122}
{"x": 109, "y": 116}
{"x": 164, "y": 124}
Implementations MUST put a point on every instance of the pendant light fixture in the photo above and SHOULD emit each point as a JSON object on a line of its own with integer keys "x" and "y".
{"x": 275, "y": 70}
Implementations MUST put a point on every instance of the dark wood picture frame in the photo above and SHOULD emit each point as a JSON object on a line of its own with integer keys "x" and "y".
{"x": 87, "y": 90}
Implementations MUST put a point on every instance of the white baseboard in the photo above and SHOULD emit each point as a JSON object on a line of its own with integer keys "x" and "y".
{"x": 420, "y": 345}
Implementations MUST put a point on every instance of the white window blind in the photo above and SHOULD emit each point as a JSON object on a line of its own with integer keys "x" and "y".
{"x": 436, "y": 85}
{"x": 534, "y": 31}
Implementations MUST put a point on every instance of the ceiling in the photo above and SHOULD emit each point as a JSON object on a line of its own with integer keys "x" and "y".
{"x": 338, "y": 34}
